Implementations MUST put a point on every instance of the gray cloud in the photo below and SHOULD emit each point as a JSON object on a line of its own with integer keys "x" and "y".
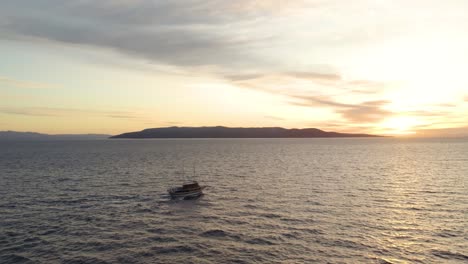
{"x": 242, "y": 77}
{"x": 176, "y": 46}
{"x": 149, "y": 12}
{"x": 156, "y": 30}
{"x": 183, "y": 33}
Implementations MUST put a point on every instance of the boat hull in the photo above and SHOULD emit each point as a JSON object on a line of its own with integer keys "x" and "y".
{"x": 178, "y": 193}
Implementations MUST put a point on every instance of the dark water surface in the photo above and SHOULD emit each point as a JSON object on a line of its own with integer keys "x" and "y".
{"x": 268, "y": 201}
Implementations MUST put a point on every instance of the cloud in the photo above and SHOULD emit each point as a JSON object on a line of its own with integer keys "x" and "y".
{"x": 312, "y": 101}
{"x": 320, "y": 90}
{"x": 27, "y": 111}
{"x": 367, "y": 112}
{"x": 429, "y": 113}
{"x": 242, "y": 77}
{"x": 57, "y": 112}
{"x": 9, "y": 82}
{"x": 229, "y": 34}
{"x": 176, "y": 46}
{"x": 444, "y": 132}
{"x": 314, "y": 76}
{"x": 344, "y": 127}
{"x": 324, "y": 80}
{"x": 274, "y": 117}
{"x": 122, "y": 116}
{"x": 355, "y": 101}
{"x": 183, "y": 33}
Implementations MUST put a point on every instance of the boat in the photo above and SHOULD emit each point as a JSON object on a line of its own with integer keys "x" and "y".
{"x": 188, "y": 190}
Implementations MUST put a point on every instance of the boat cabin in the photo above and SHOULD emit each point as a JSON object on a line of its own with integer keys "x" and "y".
{"x": 190, "y": 186}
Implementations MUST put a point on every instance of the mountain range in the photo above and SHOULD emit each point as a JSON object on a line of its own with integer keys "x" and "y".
{"x": 33, "y": 136}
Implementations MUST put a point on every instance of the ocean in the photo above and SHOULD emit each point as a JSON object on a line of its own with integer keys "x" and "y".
{"x": 349, "y": 200}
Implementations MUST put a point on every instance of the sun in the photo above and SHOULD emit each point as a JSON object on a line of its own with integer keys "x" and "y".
{"x": 401, "y": 125}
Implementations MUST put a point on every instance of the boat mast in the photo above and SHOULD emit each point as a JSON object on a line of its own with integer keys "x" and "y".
{"x": 183, "y": 171}
{"x": 193, "y": 171}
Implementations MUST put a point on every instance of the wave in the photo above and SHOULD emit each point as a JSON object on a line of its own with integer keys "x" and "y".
{"x": 449, "y": 255}
{"x": 15, "y": 258}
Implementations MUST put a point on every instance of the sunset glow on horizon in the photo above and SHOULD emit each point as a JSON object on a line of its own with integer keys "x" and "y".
{"x": 380, "y": 67}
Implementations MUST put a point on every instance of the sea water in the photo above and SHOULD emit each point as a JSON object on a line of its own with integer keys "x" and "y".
{"x": 375, "y": 200}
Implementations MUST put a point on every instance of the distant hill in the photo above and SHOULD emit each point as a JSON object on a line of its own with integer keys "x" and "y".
{"x": 29, "y": 136}
{"x": 227, "y": 132}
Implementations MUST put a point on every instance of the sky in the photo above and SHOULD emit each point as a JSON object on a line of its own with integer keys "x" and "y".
{"x": 113, "y": 66}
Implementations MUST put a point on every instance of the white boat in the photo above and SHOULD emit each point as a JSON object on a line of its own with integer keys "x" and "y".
{"x": 188, "y": 190}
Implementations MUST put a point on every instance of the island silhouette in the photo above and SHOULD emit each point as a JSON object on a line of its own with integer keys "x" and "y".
{"x": 235, "y": 132}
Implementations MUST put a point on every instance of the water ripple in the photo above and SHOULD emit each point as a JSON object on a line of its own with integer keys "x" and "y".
{"x": 268, "y": 201}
